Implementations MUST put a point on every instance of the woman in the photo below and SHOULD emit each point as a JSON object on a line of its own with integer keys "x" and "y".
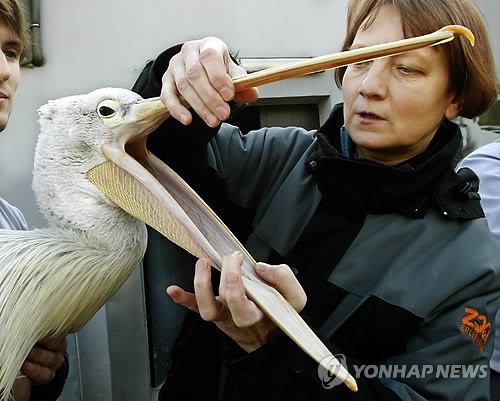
{"x": 397, "y": 270}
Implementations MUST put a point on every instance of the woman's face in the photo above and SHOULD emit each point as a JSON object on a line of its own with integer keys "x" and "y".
{"x": 393, "y": 106}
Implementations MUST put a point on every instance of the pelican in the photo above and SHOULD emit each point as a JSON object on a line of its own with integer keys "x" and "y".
{"x": 98, "y": 185}
{"x": 54, "y": 279}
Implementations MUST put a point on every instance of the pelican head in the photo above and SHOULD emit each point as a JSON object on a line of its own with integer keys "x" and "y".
{"x": 73, "y": 132}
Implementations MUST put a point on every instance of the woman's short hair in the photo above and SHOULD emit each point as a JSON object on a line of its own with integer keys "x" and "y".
{"x": 472, "y": 69}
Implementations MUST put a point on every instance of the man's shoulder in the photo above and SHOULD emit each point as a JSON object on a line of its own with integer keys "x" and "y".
{"x": 11, "y": 217}
{"x": 489, "y": 152}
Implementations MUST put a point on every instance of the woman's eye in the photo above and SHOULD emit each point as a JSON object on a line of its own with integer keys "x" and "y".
{"x": 360, "y": 66}
{"x": 405, "y": 69}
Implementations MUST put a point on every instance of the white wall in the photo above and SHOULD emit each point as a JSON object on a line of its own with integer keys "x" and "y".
{"x": 95, "y": 43}
{"x": 491, "y": 11}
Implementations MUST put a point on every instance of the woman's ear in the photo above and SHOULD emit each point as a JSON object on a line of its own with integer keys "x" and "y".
{"x": 454, "y": 109}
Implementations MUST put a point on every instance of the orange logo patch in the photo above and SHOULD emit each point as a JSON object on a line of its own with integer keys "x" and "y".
{"x": 476, "y": 326}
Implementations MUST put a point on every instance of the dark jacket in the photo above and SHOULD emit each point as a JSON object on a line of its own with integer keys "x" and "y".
{"x": 401, "y": 272}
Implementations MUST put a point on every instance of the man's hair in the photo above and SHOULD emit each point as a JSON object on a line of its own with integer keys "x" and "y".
{"x": 472, "y": 72}
{"x": 12, "y": 16}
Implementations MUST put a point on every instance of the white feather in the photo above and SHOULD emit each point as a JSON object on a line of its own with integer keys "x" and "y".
{"x": 53, "y": 280}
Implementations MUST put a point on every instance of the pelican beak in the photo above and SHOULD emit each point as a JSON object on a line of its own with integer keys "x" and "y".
{"x": 134, "y": 121}
{"x": 146, "y": 188}
{"x": 142, "y": 185}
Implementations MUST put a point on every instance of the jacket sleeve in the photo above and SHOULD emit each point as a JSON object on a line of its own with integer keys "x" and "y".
{"x": 280, "y": 370}
{"x": 485, "y": 162}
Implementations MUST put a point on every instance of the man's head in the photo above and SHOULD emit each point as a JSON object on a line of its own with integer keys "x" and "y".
{"x": 13, "y": 41}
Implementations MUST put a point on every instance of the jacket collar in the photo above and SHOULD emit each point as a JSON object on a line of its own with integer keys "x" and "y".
{"x": 410, "y": 188}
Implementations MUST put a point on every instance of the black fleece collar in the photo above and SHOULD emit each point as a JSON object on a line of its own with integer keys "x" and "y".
{"x": 410, "y": 188}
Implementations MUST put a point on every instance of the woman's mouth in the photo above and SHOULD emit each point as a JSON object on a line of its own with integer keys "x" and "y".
{"x": 370, "y": 116}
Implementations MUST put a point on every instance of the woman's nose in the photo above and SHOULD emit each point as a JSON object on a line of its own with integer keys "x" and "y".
{"x": 375, "y": 80}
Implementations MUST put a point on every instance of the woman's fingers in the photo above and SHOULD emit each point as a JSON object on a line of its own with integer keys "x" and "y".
{"x": 203, "y": 301}
{"x": 170, "y": 98}
{"x": 201, "y": 76}
{"x": 183, "y": 298}
{"x": 244, "y": 311}
{"x": 282, "y": 278}
{"x": 216, "y": 62}
{"x": 232, "y": 311}
{"x": 209, "y": 307}
{"x": 199, "y": 73}
{"x": 205, "y": 77}
{"x": 232, "y": 303}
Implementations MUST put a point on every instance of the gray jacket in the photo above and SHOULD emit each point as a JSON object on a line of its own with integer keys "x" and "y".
{"x": 443, "y": 274}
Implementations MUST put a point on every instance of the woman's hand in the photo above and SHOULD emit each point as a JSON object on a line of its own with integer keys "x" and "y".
{"x": 202, "y": 74}
{"x": 40, "y": 366}
{"x": 231, "y": 310}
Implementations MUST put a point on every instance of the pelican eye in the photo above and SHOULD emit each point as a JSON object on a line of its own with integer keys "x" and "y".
{"x": 108, "y": 108}
{"x": 106, "y": 111}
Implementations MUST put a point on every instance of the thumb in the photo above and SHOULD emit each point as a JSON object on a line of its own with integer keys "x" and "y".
{"x": 282, "y": 278}
{"x": 246, "y": 95}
